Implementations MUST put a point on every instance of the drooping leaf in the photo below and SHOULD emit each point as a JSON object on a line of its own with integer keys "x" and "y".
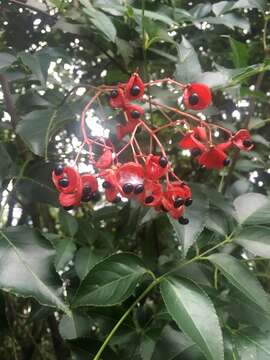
{"x": 6, "y": 60}
{"x": 86, "y": 258}
{"x": 188, "y": 65}
{"x": 242, "y": 278}
{"x": 65, "y": 250}
{"x": 68, "y": 223}
{"x": 101, "y": 21}
{"x": 76, "y": 326}
{"x": 111, "y": 281}
{"x": 255, "y": 239}
{"x": 27, "y": 267}
{"x": 170, "y": 344}
{"x": 252, "y": 209}
{"x": 197, "y": 214}
{"x": 195, "y": 315}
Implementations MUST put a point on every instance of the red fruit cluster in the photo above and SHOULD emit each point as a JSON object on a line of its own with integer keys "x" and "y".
{"x": 144, "y": 175}
{"x": 210, "y": 155}
{"x": 121, "y": 98}
{"x": 74, "y": 188}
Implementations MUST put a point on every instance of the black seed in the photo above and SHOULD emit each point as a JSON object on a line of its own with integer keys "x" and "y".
{"x": 59, "y": 169}
{"x": 67, "y": 208}
{"x": 202, "y": 168}
{"x": 128, "y": 188}
{"x": 135, "y": 114}
{"x": 188, "y": 202}
{"x": 193, "y": 99}
{"x": 195, "y": 152}
{"x": 86, "y": 198}
{"x": 163, "y": 161}
{"x": 116, "y": 200}
{"x": 106, "y": 185}
{"x": 178, "y": 202}
{"x": 63, "y": 182}
{"x": 163, "y": 208}
{"x": 226, "y": 162}
{"x": 183, "y": 221}
{"x": 138, "y": 189}
{"x": 87, "y": 190}
{"x": 135, "y": 90}
{"x": 247, "y": 142}
{"x": 149, "y": 199}
{"x": 114, "y": 94}
{"x": 95, "y": 196}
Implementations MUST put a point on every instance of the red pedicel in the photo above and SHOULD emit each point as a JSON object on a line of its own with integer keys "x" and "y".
{"x": 197, "y": 96}
{"x": 134, "y": 88}
{"x": 242, "y": 139}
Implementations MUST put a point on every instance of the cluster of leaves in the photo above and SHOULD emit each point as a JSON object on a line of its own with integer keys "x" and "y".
{"x": 120, "y": 281}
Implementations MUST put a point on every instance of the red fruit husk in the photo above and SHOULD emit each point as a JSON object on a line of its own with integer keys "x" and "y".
{"x": 239, "y": 137}
{"x": 105, "y": 160}
{"x": 153, "y": 171}
{"x": 134, "y": 80}
{"x": 213, "y": 158}
{"x": 204, "y": 93}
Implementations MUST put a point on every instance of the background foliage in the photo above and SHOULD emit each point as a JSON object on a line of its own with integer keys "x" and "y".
{"x": 171, "y": 292}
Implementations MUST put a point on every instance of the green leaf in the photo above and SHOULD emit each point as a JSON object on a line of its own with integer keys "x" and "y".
{"x": 6, "y": 164}
{"x": 197, "y": 214}
{"x": 111, "y": 281}
{"x": 36, "y": 185}
{"x": 216, "y": 221}
{"x": 65, "y": 250}
{"x": 252, "y": 209}
{"x": 68, "y": 223}
{"x": 242, "y": 278}
{"x": 36, "y": 127}
{"x": 240, "y": 53}
{"x": 188, "y": 66}
{"x": 86, "y": 258}
{"x": 76, "y": 326}
{"x": 170, "y": 344}
{"x": 101, "y": 21}
{"x": 195, "y": 315}
{"x": 232, "y": 21}
{"x": 6, "y": 60}
{"x": 251, "y": 344}
{"x": 27, "y": 268}
{"x": 255, "y": 239}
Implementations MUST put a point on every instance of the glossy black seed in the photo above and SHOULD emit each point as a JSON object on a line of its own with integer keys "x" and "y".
{"x": 178, "y": 202}
{"x": 59, "y": 169}
{"x": 163, "y": 161}
{"x": 188, "y": 202}
{"x": 95, "y": 196}
{"x": 63, "y": 182}
{"x": 67, "y": 208}
{"x": 116, "y": 200}
{"x": 135, "y": 90}
{"x": 163, "y": 208}
{"x": 149, "y": 199}
{"x": 226, "y": 162}
{"x": 86, "y": 198}
{"x": 138, "y": 189}
{"x": 247, "y": 142}
{"x": 135, "y": 114}
{"x": 114, "y": 94}
{"x": 183, "y": 221}
{"x": 128, "y": 188}
{"x": 195, "y": 152}
{"x": 87, "y": 190}
{"x": 106, "y": 185}
{"x": 202, "y": 168}
{"x": 193, "y": 99}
